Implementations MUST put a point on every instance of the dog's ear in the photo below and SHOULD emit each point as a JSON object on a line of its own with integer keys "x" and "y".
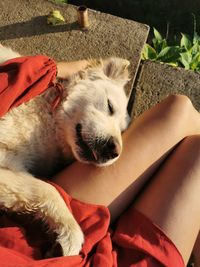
{"x": 116, "y": 69}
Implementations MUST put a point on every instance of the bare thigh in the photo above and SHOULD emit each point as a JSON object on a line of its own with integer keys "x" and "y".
{"x": 146, "y": 144}
{"x": 172, "y": 199}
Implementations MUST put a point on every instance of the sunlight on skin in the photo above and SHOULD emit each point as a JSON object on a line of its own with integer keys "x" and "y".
{"x": 66, "y": 69}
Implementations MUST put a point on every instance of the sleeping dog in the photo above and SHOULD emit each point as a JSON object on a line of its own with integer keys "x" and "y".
{"x": 86, "y": 126}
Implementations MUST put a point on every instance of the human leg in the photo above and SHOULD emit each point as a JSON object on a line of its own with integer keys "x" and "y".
{"x": 196, "y": 252}
{"x": 171, "y": 200}
{"x": 146, "y": 143}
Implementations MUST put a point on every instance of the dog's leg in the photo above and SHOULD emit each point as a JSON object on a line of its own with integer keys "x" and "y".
{"x": 22, "y": 193}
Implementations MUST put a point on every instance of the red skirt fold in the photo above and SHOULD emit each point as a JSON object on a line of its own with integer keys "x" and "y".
{"x": 135, "y": 241}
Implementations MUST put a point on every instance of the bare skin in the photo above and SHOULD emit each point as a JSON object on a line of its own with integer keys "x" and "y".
{"x": 171, "y": 200}
{"x": 156, "y": 139}
{"x": 65, "y": 69}
{"x": 196, "y": 253}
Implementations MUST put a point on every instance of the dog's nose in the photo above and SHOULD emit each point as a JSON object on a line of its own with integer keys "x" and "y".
{"x": 111, "y": 149}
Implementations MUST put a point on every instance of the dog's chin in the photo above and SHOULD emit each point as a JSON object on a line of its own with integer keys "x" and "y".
{"x": 88, "y": 158}
{"x": 106, "y": 163}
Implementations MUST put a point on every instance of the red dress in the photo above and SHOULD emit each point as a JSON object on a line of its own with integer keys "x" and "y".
{"x": 135, "y": 241}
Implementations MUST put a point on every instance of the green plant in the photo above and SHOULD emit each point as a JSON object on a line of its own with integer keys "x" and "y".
{"x": 185, "y": 54}
{"x": 55, "y": 18}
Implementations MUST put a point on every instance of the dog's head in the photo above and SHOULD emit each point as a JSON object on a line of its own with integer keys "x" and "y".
{"x": 95, "y": 111}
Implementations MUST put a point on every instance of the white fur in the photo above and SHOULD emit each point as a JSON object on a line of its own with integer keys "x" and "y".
{"x": 34, "y": 140}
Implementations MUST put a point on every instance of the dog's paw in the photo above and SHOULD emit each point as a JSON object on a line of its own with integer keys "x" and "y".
{"x": 69, "y": 240}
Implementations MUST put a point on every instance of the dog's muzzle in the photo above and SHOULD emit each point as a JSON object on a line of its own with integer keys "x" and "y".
{"x": 99, "y": 150}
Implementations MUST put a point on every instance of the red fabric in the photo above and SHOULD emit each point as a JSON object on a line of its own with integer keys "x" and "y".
{"x": 135, "y": 242}
{"x": 24, "y": 78}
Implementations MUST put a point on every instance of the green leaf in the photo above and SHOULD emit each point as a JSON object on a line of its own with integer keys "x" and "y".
{"x": 196, "y": 38}
{"x": 198, "y": 67}
{"x": 195, "y": 62}
{"x": 186, "y": 59}
{"x": 173, "y": 64}
{"x": 157, "y": 35}
{"x": 195, "y": 49}
{"x": 159, "y": 45}
{"x": 149, "y": 52}
{"x": 185, "y": 41}
{"x": 55, "y": 18}
{"x": 169, "y": 54}
{"x": 164, "y": 43}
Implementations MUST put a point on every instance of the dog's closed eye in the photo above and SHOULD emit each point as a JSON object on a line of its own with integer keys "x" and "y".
{"x": 110, "y": 107}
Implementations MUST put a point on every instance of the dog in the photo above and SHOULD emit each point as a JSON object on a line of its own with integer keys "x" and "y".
{"x": 85, "y": 126}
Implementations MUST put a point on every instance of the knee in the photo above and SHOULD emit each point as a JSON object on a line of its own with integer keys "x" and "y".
{"x": 179, "y": 107}
{"x": 178, "y": 101}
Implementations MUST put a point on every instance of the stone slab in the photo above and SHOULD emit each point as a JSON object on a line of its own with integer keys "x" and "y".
{"x": 155, "y": 81}
{"x": 23, "y": 27}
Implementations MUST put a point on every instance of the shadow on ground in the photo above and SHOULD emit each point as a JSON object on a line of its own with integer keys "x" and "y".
{"x": 33, "y": 27}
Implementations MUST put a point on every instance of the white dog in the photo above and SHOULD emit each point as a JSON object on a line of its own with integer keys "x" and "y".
{"x": 86, "y": 125}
